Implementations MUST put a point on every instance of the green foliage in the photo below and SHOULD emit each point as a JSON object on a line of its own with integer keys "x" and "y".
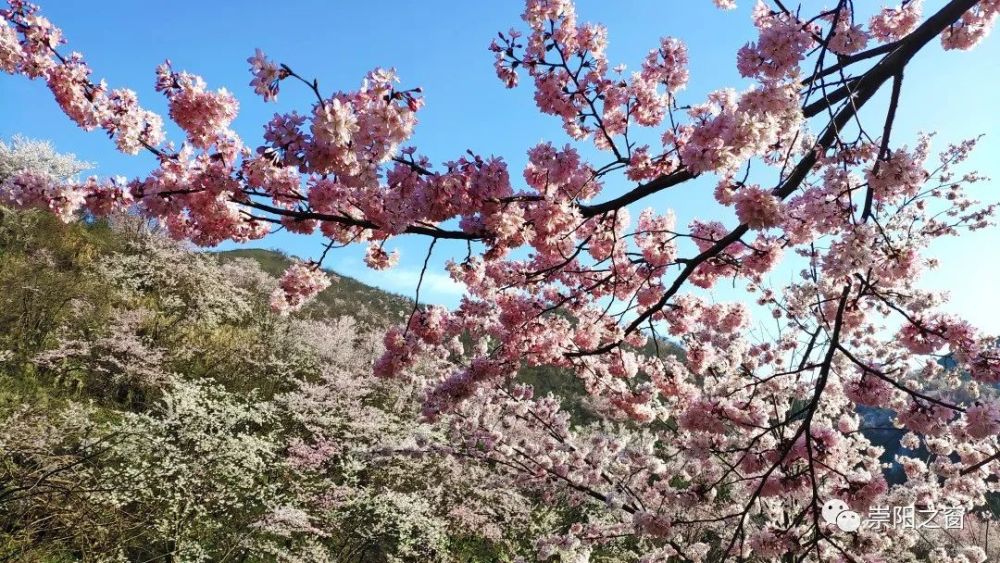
{"x": 45, "y": 273}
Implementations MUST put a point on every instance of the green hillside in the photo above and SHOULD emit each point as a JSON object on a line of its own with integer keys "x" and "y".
{"x": 346, "y": 296}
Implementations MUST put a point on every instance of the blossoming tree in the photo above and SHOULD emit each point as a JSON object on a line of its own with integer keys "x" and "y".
{"x": 729, "y": 452}
{"x": 157, "y": 410}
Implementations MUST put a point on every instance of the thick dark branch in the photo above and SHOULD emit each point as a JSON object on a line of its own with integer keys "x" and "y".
{"x": 803, "y": 429}
{"x": 362, "y": 223}
{"x": 981, "y": 464}
{"x": 641, "y": 191}
{"x": 844, "y": 62}
{"x": 912, "y": 392}
{"x": 898, "y": 58}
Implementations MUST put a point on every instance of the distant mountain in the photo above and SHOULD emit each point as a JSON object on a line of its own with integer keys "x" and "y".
{"x": 346, "y": 296}
{"x": 878, "y": 425}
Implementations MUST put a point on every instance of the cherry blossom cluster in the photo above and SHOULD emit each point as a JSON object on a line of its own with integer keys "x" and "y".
{"x": 266, "y": 75}
{"x": 573, "y": 79}
{"x": 779, "y": 50}
{"x": 89, "y": 105}
{"x": 297, "y": 286}
{"x": 65, "y": 199}
{"x": 973, "y": 27}
{"x": 204, "y": 116}
{"x": 893, "y": 23}
{"x": 731, "y": 128}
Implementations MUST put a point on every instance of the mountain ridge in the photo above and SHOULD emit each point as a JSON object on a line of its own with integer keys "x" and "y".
{"x": 346, "y": 296}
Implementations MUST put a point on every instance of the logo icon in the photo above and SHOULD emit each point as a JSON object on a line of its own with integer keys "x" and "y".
{"x": 836, "y": 512}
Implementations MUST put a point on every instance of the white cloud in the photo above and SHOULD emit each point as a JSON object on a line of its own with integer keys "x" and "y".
{"x": 404, "y": 280}
{"x": 437, "y": 288}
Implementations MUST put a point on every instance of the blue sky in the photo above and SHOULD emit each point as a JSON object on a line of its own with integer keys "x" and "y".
{"x": 441, "y": 47}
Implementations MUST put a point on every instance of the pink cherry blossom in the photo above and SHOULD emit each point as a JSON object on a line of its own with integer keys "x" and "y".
{"x": 204, "y": 116}
{"x": 11, "y": 53}
{"x": 848, "y": 37}
{"x": 266, "y": 75}
{"x": 868, "y": 390}
{"x": 299, "y": 283}
{"x": 667, "y": 65}
{"x": 33, "y": 189}
{"x": 778, "y": 51}
{"x": 378, "y": 259}
{"x": 893, "y": 23}
{"x": 973, "y": 26}
{"x": 983, "y": 420}
{"x": 134, "y": 128}
{"x": 757, "y": 208}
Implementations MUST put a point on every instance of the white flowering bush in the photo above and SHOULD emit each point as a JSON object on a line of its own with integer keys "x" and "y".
{"x": 23, "y": 154}
{"x": 198, "y": 465}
